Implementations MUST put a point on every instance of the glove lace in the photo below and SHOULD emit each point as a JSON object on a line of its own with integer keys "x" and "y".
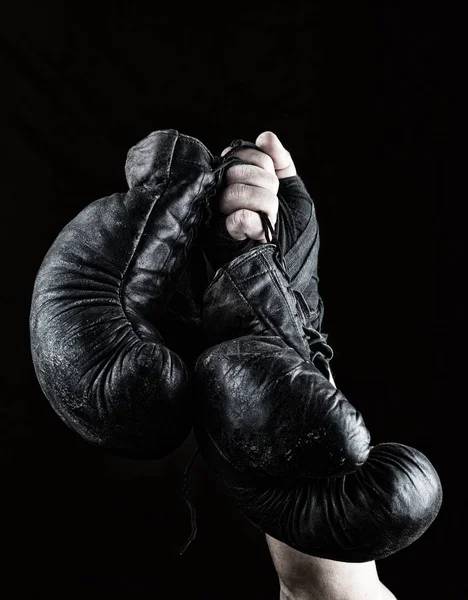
{"x": 186, "y": 495}
{"x": 315, "y": 340}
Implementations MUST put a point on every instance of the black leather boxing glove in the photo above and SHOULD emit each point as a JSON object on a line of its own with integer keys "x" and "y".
{"x": 293, "y": 453}
{"x": 113, "y": 295}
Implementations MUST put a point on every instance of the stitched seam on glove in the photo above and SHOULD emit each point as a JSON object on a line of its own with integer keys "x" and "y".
{"x": 277, "y": 282}
{"x": 262, "y": 317}
{"x": 238, "y": 261}
{"x": 189, "y": 214}
{"x": 255, "y": 275}
{"x": 195, "y": 142}
{"x": 185, "y": 160}
{"x": 132, "y": 256}
{"x": 259, "y": 316}
{"x": 187, "y": 138}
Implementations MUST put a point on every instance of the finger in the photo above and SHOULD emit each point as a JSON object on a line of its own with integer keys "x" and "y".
{"x": 252, "y": 175}
{"x": 282, "y": 160}
{"x": 257, "y": 158}
{"x": 226, "y": 150}
{"x": 238, "y": 195}
{"x": 245, "y": 223}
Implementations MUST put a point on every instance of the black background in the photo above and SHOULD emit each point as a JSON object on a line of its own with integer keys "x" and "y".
{"x": 358, "y": 95}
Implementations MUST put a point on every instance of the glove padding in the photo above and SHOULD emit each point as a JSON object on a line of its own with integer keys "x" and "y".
{"x": 293, "y": 453}
{"x": 102, "y": 297}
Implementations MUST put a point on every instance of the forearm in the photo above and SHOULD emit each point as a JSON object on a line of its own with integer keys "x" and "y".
{"x": 304, "y": 577}
{"x": 381, "y": 593}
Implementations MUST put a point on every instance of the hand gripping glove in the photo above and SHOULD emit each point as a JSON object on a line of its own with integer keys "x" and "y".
{"x": 108, "y": 293}
{"x": 292, "y": 452}
{"x": 296, "y": 235}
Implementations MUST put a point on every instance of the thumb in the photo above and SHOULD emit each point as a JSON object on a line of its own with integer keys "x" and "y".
{"x": 269, "y": 143}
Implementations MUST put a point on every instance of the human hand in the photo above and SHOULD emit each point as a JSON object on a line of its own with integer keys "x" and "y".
{"x": 253, "y": 187}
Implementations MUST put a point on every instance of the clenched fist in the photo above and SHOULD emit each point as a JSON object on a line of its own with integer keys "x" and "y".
{"x": 253, "y": 187}
{"x": 250, "y": 187}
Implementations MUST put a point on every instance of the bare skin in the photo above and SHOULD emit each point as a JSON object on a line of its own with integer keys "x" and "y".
{"x": 251, "y": 188}
{"x": 304, "y": 577}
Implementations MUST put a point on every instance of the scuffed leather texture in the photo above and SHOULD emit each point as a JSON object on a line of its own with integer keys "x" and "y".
{"x": 293, "y": 453}
{"x": 107, "y": 293}
{"x": 380, "y": 509}
{"x": 261, "y": 386}
{"x": 297, "y": 231}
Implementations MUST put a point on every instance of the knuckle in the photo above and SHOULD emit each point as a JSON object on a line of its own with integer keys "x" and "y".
{"x": 267, "y": 162}
{"x": 238, "y": 192}
{"x": 231, "y": 196}
{"x": 273, "y": 183}
{"x": 243, "y": 218}
{"x": 237, "y": 173}
{"x": 239, "y": 223}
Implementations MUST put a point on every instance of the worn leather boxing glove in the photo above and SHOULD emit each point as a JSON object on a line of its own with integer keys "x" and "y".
{"x": 292, "y": 452}
{"x": 113, "y": 296}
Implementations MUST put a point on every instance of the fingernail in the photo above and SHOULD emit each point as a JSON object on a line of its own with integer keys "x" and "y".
{"x": 225, "y": 151}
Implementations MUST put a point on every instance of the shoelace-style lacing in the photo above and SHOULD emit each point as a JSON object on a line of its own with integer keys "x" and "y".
{"x": 315, "y": 340}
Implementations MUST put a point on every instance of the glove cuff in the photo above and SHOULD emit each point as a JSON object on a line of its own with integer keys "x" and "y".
{"x": 252, "y": 296}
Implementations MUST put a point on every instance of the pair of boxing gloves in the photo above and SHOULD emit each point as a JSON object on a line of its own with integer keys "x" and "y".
{"x": 133, "y": 345}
